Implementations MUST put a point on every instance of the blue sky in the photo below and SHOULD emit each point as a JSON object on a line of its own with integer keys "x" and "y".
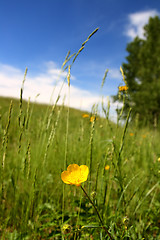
{"x": 38, "y": 34}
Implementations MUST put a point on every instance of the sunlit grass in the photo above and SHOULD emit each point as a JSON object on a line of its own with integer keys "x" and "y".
{"x": 119, "y": 183}
{"x": 31, "y": 188}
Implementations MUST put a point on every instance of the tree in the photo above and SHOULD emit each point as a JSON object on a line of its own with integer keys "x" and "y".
{"x": 142, "y": 73}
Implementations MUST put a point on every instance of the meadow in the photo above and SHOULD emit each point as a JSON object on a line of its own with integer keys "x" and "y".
{"x": 38, "y": 142}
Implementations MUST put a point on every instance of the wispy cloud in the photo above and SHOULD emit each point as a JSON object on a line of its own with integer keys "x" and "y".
{"x": 136, "y": 22}
{"x": 48, "y": 86}
{"x": 51, "y": 82}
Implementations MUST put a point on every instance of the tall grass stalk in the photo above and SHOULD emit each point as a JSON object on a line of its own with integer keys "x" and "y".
{"x": 66, "y": 138}
{"x": 4, "y": 149}
{"x": 90, "y": 155}
{"x": 119, "y": 165}
{"x": 21, "y": 97}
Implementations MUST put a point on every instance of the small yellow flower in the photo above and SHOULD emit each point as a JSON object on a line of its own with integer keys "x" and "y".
{"x": 85, "y": 115}
{"x": 107, "y": 167}
{"x": 159, "y": 159}
{"x": 123, "y": 88}
{"x": 93, "y": 118}
{"x": 75, "y": 174}
{"x": 131, "y": 134}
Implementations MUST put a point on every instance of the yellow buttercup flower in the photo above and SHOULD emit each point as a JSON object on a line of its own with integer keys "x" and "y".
{"x": 85, "y": 115}
{"x": 159, "y": 159}
{"x": 75, "y": 174}
{"x": 107, "y": 167}
{"x": 131, "y": 134}
{"x": 123, "y": 88}
{"x": 93, "y": 118}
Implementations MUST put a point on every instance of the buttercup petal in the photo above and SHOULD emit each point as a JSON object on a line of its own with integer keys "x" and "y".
{"x": 65, "y": 176}
{"x": 75, "y": 174}
{"x": 73, "y": 167}
{"x": 84, "y": 172}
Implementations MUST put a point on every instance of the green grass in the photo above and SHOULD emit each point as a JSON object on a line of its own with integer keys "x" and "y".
{"x": 38, "y": 142}
{"x": 36, "y": 204}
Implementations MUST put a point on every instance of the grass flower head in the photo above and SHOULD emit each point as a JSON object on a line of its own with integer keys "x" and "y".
{"x": 75, "y": 174}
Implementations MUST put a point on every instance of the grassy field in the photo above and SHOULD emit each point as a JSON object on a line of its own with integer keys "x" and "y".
{"x": 38, "y": 142}
{"x": 119, "y": 200}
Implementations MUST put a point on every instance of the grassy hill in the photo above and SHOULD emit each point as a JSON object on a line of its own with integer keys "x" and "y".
{"x": 38, "y": 142}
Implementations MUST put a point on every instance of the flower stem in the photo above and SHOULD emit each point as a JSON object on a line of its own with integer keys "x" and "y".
{"x": 97, "y": 213}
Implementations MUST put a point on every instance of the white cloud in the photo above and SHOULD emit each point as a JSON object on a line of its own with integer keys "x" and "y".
{"x": 48, "y": 85}
{"x": 137, "y": 21}
{"x": 52, "y": 81}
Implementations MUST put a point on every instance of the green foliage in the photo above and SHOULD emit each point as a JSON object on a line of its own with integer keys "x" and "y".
{"x": 142, "y": 73}
{"x": 32, "y": 193}
{"x": 39, "y": 141}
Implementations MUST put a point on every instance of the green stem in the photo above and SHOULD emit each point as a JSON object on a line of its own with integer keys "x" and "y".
{"x": 97, "y": 213}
